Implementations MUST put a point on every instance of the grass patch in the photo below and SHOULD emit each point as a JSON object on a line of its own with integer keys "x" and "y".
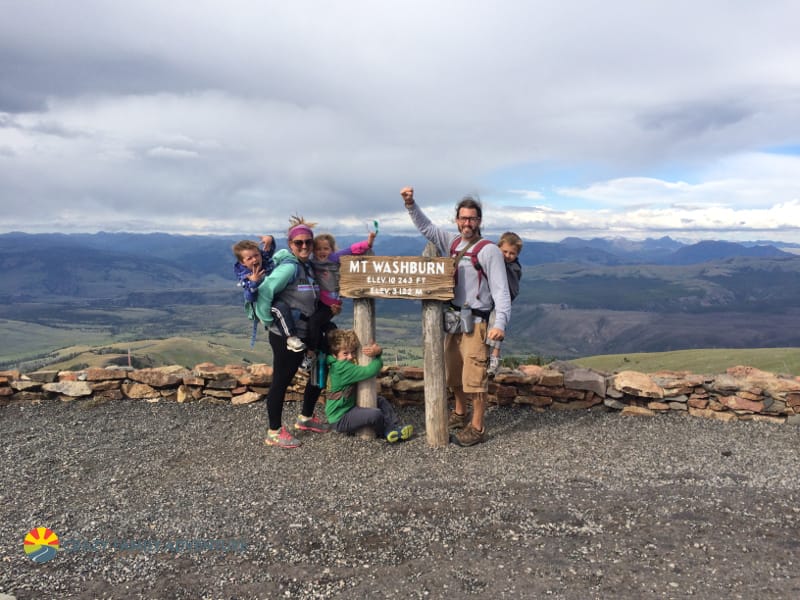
{"x": 710, "y": 361}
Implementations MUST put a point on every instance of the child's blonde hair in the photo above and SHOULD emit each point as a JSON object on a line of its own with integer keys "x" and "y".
{"x": 343, "y": 339}
{"x": 243, "y": 245}
{"x": 326, "y": 237}
{"x": 512, "y": 239}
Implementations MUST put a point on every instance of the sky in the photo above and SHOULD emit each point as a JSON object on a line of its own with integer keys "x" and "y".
{"x": 627, "y": 118}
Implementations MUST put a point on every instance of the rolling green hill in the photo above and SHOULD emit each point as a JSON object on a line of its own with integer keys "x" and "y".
{"x": 710, "y": 361}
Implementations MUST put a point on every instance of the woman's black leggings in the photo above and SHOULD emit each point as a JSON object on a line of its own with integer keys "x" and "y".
{"x": 284, "y": 366}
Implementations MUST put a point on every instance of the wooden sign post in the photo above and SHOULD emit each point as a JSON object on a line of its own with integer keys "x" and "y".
{"x": 425, "y": 278}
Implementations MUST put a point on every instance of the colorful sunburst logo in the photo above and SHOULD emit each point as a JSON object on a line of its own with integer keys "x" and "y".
{"x": 41, "y": 544}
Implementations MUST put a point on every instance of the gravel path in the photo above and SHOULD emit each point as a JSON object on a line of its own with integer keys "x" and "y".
{"x": 570, "y": 505}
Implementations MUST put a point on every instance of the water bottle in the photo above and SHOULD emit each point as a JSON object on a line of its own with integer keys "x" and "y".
{"x": 467, "y": 320}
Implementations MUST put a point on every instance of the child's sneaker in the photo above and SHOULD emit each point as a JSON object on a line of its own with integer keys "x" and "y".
{"x": 494, "y": 364}
{"x": 311, "y": 424}
{"x": 281, "y": 438}
{"x": 295, "y": 344}
{"x": 308, "y": 362}
{"x": 400, "y": 434}
{"x": 393, "y": 436}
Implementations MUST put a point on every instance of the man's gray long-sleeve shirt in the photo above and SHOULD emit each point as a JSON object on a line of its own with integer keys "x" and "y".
{"x": 489, "y": 292}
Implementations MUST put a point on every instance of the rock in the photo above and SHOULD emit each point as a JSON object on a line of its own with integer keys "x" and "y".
{"x": 100, "y": 386}
{"x": 615, "y": 404}
{"x": 658, "y": 406}
{"x": 682, "y": 398}
{"x": 409, "y": 385}
{"x": 552, "y": 378}
{"x": 531, "y": 370}
{"x": 210, "y": 371}
{"x": 139, "y": 391}
{"x": 235, "y": 371}
{"x": 187, "y": 393}
{"x": 416, "y": 373}
{"x": 593, "y": 400}
{"x": 700, "y": 403}
{"x": 737, "y": 403}
{"x": 713, "y": 414}
{"x": 535, "y": 400}
{"x": 636, "y": 384}
{"x": 98, "y": 374}
{"x": 157, "y": 378}
{"x": 21, "y": 385}
{"x": 585, "y": 379}
{"x": 74, "y": 389}
{"x": 261, "y": 369}
{"x": 246, "y": 398}
{"x": 222, "y": 384}
{"x": 638, "y": 411}
{"x": 723, "y": 384}
{"x": 44, "y": 376}
{"x": 514, "y": 377}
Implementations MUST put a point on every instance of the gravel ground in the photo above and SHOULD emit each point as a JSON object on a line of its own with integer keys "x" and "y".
{"x": 570, "y": 505}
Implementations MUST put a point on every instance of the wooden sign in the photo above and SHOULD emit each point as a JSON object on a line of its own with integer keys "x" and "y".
{"x": 408, "y": 277}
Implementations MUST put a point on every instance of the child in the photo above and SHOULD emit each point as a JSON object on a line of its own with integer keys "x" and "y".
{"x": 253, "y": 264}
{"x": 340, "y": 407}
{"x": 326, "y": 261}
{"x": 510, "y": 245}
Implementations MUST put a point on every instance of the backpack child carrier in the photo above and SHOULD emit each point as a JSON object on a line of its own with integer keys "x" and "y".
{"x": 472, "y": 252}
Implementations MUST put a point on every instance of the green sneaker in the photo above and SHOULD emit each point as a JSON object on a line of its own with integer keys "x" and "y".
{"x": 400, "y": 434}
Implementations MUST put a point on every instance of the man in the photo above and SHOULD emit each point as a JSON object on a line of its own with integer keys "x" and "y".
{"x": 480, "y": 287}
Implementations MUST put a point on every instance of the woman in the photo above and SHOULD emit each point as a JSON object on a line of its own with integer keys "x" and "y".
{"x": 293, "y": 282}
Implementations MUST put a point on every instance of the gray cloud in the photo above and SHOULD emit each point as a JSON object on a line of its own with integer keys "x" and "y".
{"x": 201, "y": 117}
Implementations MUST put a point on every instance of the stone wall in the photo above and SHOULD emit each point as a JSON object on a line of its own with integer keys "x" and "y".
{"x": 741, "y": 393}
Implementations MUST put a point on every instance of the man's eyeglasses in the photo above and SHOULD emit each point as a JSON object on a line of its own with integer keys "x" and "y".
{"x": 301, "y": 243}
{"x": 468, "y": 219}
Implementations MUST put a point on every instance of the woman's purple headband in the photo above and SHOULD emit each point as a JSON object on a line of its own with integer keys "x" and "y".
{"x": 298, "y": 229}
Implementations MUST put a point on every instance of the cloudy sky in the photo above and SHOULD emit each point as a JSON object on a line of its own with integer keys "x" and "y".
{"x": 624, "y": 118}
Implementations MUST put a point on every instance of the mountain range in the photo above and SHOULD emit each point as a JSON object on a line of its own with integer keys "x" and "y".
{"x": 578, "y": 297}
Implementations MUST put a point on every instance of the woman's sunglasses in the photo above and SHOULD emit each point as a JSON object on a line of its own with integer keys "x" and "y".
{"x": 301, "y": 243}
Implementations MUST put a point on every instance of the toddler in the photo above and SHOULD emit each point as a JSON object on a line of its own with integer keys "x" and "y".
{"x": 510, "y": 245}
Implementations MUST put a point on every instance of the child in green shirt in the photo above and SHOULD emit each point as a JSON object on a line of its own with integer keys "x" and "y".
{"x": 344, "y": 373}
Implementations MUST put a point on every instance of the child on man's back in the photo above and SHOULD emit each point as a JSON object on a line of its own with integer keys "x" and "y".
{"x": 253, "y": 264}
{"x": 510, "y": 245}
{"x": 340, "y": 406}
